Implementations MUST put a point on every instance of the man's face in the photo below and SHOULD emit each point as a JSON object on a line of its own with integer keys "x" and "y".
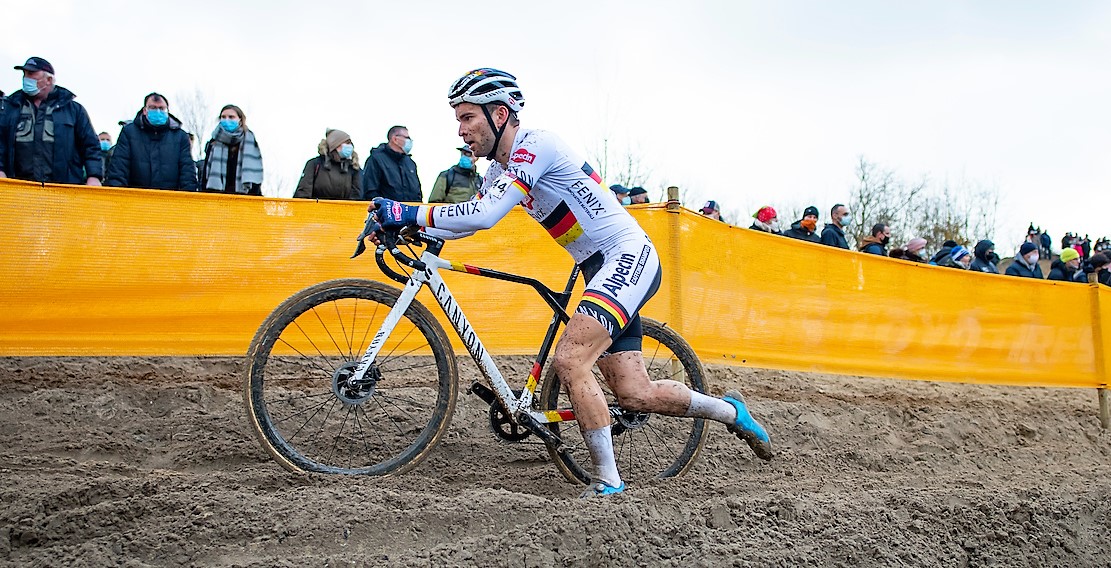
{"x": 713, "y": 214}
{"x": 811, "y": 218}
{"x": 885, "y": 234}
{"x": 966, "y": 261}
{"x": 839, "y": 213}
{"x": 640, "y": 198}
{"x": 1074, "y": 263}
{"x": 155, "y": 104}
{"x": 39, "y": 77}
{"x": 398, "y": 139}
{"x": 104, "y": 136}
{"x": 474, "y": 129}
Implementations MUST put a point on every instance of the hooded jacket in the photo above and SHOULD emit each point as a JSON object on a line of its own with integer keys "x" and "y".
{"x": 76, "y": 149}
{"x": 390, "y": 174}
{"x": 1060, "y": 272}
{"x": 834, "y": 236}
{"x": 981, "y": 262}
{"x": 872, "y": 245}
{"x": 797, "y": 231}
{"x": 154, "y": 157}
{"x": 1019, "y": 267}
{"x": 328, "y": 176}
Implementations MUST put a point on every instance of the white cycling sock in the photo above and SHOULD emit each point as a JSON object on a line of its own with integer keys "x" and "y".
{"x": 703, "y": 406}
{"x": 600, "y": 444}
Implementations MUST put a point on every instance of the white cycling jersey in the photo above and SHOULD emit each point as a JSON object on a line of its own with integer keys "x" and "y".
{"x": 557, "y": 188}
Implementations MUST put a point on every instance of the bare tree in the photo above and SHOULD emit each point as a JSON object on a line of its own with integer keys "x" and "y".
{"x": 623, "y": 166}
{"x": 195, "y": 113}
{"x": 962, "y": 211}
{"x": 881, "y": 196}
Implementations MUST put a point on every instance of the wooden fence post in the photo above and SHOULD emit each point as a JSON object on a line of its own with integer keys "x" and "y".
{"x": 675, "y": 279}
{"x": 1101, "y": 364}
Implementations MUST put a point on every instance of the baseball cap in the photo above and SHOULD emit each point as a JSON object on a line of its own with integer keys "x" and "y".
{"x": 710, "y": 206}
{"x": 618, "y": 188}
{"x": 36, "y": 64}
{"x": 465, "y": 148}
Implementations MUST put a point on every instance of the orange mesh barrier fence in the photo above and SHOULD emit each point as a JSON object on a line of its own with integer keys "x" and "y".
{"x": 98, "y": 271}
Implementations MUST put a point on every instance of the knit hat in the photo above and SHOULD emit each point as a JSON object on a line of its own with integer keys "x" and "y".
{"x": 959, "y": 252}
{"x": 637, "y": 191}
{"x": 1027, "y": 248}
{"x": 335, "y": 138}
{"x": 916, "y": 244}
{"x": 810, "y": 211}
{"x": 765, "y": 214}
{"x": 1069, "y": 254}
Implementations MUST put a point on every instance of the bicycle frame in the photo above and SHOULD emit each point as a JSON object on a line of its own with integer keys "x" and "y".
{"x": 426, "y": 272}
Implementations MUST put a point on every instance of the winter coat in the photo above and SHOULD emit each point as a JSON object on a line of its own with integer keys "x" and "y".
{"x": 980, "y": 261}
{"x": 77, "y": 154}
{"x": 834, "y": 236}
{"x": 1019, "y": 267}
{"x": 872, "y": 245}
{"x": 948, "y": 262}
{"x": 455, "y": 185}
{"x": 903, "y": 254}
{"x": 756, "y": 227}
{"x": 328, "y": 176}
{"x": 390, "y": 174}
{"x": 798, "y": 232}
{"x": 1059, "y": 272}
{"x": 981, "y": 265}
{"x": 1086, "y": 269}
{"x": 154, "y": 157}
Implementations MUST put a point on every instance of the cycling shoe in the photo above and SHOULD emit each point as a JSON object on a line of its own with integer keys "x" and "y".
{"x": 747, "y": 429}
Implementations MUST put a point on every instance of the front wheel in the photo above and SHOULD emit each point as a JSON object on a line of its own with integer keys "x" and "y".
{"x": 310, "y": 414}
{"x": 646, "y": 445}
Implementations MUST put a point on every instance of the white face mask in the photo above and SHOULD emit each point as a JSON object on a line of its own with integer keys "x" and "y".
{"x": 1032, "y": 258}
{"x": 774, "y": 224}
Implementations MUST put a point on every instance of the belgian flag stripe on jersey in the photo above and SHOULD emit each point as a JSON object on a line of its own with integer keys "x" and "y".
{"x": 593, "y": 174}
{"x": 562, "y": 225}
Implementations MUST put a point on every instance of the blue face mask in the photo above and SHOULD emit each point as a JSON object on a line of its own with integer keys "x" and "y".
{"x": 30, "y": 86}
{"x": 157, "y": 117}
{"x": 229, "y": 124}
{"x": 345, "y": 150}
{"x": 846, "y": 221}
{"x": 105, "y": 145}
{"x": 408, "y": 147}
{"x": 626, "y": 200}
{"x": 465, "y": 162}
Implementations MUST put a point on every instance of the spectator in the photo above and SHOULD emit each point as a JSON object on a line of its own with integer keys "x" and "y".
{"x": 984, "y": 251}
{"x": 153, "y": 151}
{"x": 459, "y": 182}
{"x": 334, "y": 174}
{"x": 390, "y": 171}
{"x": 106, "y": 148}
{"x": 710, "y": 209}
{"x": 638, "y": 195}
{"x": 1099, "y": 264}
{"x": 959, "y": 257}
{"x": 1064, "y": 268}
{"x": 232, "y": 159}
{"x": 875, "y": 242}
{"x": 1025, "y": 263}
{"x": 912, "y": 252}
{"x": 766, "y": 220}
{"x": 32, "y": 147}
{"x": 1045, "y": 243}
{"x": 834, "y": 233}
{"x": 622, "y": 194}
{"x": 804, "y": 229}
{"x": 946, "y": 248}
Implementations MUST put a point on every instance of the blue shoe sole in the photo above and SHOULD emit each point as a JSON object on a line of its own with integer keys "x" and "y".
{"x": 746, "y": 428}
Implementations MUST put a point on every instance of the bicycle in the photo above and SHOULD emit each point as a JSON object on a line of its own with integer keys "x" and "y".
{"x": 380, "y": 411}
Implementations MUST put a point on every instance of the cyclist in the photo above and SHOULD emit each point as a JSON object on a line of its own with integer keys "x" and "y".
{"x": 536, "y": 169}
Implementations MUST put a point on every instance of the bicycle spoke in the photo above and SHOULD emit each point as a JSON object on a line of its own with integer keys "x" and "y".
{"x": 327, "y": 329}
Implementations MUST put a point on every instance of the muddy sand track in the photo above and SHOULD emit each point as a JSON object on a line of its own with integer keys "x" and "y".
{"x": 151, "y": 462}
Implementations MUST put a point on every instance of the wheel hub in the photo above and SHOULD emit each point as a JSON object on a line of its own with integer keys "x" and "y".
{"x": 347, "y": 390}
{"x": 628, "y": 420}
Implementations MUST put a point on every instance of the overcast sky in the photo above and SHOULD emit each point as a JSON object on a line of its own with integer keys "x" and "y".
{"x": 748, "y": 103}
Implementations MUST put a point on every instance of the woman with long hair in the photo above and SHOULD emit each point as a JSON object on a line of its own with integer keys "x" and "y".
{"x": 232, "y": 160}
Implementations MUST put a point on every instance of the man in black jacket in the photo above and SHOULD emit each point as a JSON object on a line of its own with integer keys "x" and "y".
{"x": 153, "y": 151}
{"x": 45, "y": 135}
{"x": 390, "y": 171}
{"x": 804, "y": 229}
{"x": 985, "y": 258}
{"x": 834, "y": 233}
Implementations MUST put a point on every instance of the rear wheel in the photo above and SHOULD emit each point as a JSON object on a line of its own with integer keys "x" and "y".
{"x": 646, "y": 445}
{"x": 309, "y": 413}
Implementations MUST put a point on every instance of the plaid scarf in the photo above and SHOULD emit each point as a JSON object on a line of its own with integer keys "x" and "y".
{"x": 249, "y": 167}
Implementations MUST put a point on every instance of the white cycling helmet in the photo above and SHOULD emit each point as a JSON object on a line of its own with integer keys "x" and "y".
{"x": 485, "y": 86}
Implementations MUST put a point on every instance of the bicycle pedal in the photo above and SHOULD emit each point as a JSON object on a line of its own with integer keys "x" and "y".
{"x": 482, "y": 391}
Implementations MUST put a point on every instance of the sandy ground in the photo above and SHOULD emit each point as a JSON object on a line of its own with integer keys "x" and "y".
{"x": 151, "y": 462}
